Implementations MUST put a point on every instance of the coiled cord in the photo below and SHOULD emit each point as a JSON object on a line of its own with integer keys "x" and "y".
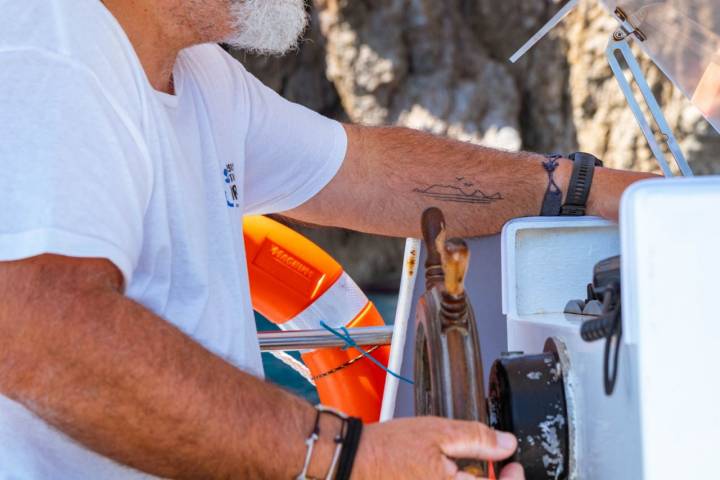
{"x": 598, "y": 328}
{"x": 607, "y": 326}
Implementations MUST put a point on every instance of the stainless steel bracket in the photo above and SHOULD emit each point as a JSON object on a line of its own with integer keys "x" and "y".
{"x": 619, "y": 47}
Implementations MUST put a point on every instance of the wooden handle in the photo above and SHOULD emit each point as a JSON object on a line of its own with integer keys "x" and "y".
{"x": 477, "y": 470}
{"x": 433, "y": 226}
{"x": 455, "y": 259}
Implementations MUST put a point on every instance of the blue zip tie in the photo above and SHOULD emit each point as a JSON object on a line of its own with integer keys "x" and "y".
{"x": 349, "y": 342}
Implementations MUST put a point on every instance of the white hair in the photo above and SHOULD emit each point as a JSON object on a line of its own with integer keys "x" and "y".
{"x": 267, "y": 26}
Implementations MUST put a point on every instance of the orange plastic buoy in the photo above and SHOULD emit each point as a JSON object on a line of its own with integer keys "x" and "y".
{"x": 295, "y": 284}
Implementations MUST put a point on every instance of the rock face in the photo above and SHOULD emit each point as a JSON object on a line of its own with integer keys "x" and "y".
{"x": 441, "y": 66}
{"x": 417, "y": 63}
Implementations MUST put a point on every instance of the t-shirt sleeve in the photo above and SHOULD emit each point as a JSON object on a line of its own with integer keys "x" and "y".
{"x": 291, "y": 152}
{"x": 74, "y": 179}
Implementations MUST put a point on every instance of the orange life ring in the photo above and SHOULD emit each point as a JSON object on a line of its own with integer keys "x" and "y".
{"x": 295, "y": 284}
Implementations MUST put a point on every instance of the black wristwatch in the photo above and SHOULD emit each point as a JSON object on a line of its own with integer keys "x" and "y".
{"x": 579, "y": 189}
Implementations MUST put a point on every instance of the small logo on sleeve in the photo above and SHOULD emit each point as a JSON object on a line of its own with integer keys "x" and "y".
{"x": 231, "y": 189}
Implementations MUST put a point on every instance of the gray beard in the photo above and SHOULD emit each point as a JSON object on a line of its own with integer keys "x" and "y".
{"x": 267, "y": 26}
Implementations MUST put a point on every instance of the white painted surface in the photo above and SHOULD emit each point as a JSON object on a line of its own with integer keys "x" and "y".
{"x": 671, "y": 266}
{"x": 546, "y": 262}
{"x": 606, "y": 440}
{"x": 411, "y": 266}
{"x": 663, "y": 418}
{"x": 549, "y": 260}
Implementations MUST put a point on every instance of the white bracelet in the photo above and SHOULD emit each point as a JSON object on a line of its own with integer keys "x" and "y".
{"x": 335, "y": 459}
{"x": 313, "y": 438}
{"x": 310, "y": 442}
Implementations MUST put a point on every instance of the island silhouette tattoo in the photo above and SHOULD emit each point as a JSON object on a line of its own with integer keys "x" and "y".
{"x": 463, "y": 192}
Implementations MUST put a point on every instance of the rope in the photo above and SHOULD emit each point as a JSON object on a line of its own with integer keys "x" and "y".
{"x": 350, "y": 343}
{"x": 344, "y": 365}
{"x": 295, "y": 364}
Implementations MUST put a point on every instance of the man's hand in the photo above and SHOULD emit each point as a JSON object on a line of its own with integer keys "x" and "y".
{"x": 129, "y": 385}
{"x": 424, "y": 448}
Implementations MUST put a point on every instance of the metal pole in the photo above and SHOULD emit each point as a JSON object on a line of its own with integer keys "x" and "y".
{"x": 402, "y": 314}
{"x": 290, "y": 340}
{"x": 552, "y": 23}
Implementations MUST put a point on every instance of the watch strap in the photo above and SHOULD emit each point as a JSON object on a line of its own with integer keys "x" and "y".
{"x": 579, "y": 189}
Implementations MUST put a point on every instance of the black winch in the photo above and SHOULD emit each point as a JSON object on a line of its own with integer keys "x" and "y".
{"x": 527, "y": 397}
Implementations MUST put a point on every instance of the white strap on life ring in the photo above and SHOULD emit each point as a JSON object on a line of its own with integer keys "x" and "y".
{"x": 337, "y": 307}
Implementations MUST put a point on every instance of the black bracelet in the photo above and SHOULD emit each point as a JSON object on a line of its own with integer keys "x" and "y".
{"x": 579, "y": 188}
{"x": 350, "y": 445}
{"x": 346, "y": 442}
{"x": 552, "y": 202}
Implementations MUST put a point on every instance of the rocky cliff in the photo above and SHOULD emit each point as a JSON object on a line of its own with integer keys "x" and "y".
{"x": 441, "y": 66}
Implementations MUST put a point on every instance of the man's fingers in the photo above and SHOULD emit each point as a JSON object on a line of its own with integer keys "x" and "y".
{"x": 475, "y": 440}
{"x": 512, "y": 471}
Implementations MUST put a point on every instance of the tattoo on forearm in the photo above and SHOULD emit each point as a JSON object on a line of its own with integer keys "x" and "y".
{"x": 461, "y": 190}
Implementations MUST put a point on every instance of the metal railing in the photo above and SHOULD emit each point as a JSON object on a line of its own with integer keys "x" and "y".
{"x": 311, "y": 339}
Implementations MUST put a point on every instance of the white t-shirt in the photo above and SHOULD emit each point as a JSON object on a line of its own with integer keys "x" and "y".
{"x": 95, "y": 163}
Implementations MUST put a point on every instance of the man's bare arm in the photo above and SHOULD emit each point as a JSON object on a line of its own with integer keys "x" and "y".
{"x": 127, "y": 384}
{"x": 390, "y": 175}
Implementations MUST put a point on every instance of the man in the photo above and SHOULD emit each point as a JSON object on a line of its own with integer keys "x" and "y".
{"x": 131, "y": 145}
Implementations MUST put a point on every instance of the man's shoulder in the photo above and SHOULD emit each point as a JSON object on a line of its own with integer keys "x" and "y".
{"x": 211, "y": 65}
{"x": 81, "y": 33}
{"x": 59, "y": 26}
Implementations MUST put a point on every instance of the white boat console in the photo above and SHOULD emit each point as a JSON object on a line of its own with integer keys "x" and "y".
{"x": 662, "y": 412}
{"x": 664, "y": 404}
